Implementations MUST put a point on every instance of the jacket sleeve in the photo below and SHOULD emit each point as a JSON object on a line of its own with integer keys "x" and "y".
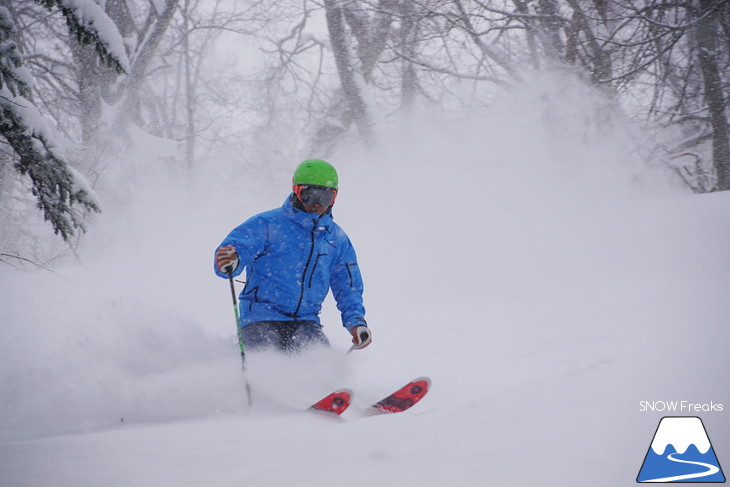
{"x": 249, "y": 240}
{"x": 347, "y": 286}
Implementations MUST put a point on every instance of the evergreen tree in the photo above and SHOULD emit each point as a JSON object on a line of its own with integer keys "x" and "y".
{"x": 62, "y": 193}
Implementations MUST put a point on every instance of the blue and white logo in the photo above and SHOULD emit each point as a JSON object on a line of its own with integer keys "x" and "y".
{"x": 681, "y": 452}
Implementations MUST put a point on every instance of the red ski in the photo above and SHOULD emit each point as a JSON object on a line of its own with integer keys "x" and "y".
{"x": 403, "y": 398}
{"x": 334, "y": 403}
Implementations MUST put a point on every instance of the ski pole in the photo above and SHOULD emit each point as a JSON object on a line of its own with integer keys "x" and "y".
{"x": 240, "y": 338}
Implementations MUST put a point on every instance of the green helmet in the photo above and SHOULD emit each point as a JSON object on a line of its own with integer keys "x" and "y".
{"x": 316, "y": 172}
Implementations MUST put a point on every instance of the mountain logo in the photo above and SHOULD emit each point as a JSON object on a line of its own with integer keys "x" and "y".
{"x": 681, "y": 452}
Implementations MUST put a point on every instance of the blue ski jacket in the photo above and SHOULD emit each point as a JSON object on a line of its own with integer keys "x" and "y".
{"x": 292, "y": 259}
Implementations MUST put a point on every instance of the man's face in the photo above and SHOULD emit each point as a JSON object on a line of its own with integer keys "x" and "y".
{"x": 315, "y": 208}
{"x": 315, "y": 199}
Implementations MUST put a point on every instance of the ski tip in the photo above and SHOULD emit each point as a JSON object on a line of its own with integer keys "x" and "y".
{"x": 345, "y": 392}
{"x": 404, "y": 398}
{"x": 334, "y": 403}
{"x": 425, "y": 379}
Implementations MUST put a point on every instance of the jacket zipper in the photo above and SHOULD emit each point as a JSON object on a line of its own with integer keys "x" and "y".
{"x": 349, "y": 272}
{"x": 314, "y": 269}
{"x": 306, "y": 267}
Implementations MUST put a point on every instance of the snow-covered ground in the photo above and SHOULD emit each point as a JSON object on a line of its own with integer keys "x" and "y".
{"x": 544, "y": 282}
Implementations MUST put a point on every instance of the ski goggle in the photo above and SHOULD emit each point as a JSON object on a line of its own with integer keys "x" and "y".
{"x": 310, "y": 195}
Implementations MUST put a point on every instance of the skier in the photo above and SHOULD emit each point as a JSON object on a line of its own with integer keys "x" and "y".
{"x": 293, "y": 255}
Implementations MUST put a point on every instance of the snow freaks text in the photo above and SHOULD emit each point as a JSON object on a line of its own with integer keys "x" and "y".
{"x": 680, "y": 407}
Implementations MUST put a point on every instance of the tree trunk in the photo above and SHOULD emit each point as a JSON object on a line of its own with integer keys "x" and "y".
{"x": 708, "y": 53}
{"x": 351, "y": 86}
{"x": 89, "y": 94}
{"x": 408, "y": 42}
{"x": 142, "y": 58}
{"x": 189, "y": 90}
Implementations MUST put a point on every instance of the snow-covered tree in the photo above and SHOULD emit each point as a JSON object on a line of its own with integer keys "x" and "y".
{"x": 62, "y": 193}
{"x": 89, "y": 23}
